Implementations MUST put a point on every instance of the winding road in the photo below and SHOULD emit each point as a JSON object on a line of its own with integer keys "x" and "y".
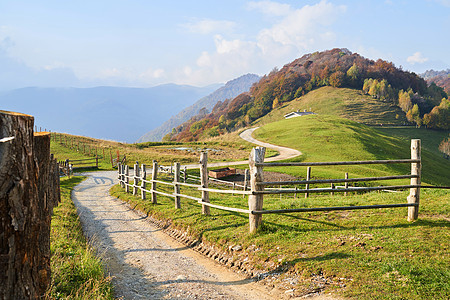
{"x": 143, "y": 261}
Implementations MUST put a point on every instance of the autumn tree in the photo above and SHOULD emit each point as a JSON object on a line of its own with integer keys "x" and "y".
{"x": 337, "y": 79}
{"x": 404, "y": 100}
{"x": 439, "y": 117}
{"x": 413, "y": 115}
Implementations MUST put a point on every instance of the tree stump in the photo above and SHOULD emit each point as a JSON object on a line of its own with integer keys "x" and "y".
{"x": 29, "y": 188}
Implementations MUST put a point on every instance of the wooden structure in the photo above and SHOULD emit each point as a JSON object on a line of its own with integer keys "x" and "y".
{"x": 258, "y": 187}
{"x": 220, "y": 173}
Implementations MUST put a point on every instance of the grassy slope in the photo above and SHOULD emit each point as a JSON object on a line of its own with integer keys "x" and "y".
{"x": 347, "y": 103}
{"x": 328, "y": 138}
{"x": 76, "y": 271}
{"x": 229, "y": 150}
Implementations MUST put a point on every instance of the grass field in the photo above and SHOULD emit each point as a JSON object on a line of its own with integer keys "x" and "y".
{"x": 77, "y": 272}
{"x": 232, "y": 149}
{"x": 329, "y": 138}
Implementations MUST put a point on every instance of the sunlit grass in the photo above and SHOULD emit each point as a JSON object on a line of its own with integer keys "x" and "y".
{"x": 77, "y": 273}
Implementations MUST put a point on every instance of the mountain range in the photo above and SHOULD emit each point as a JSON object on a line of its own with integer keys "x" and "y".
{"x": 112, "y": 113}
{"x": 230, "y": 90}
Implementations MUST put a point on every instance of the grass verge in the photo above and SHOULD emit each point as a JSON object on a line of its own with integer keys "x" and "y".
{"x": 77, "y": 272}
{"x": 370, "y": 254}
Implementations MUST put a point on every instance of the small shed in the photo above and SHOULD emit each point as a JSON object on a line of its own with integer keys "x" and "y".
{"x": 298, "y": 114}
{"x": 224, "y": 172}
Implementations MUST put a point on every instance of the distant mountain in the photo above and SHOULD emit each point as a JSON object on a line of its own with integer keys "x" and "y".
{"x": 440, "y": 78}
{"x": 114, "y": 113}
{"x": 230, "y": 90}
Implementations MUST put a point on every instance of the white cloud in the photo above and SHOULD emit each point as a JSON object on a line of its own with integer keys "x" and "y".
{"x": 207, "y": 26}
{"x": 270, "y": 8}
{"x": 416, "y": 58}
{"x": 444, "y": 2}
{"x": 293, "y": 32}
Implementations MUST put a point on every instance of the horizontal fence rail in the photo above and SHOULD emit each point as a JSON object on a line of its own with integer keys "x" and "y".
{"x": 338, "y": 163}
{"x": 255, "y": 188}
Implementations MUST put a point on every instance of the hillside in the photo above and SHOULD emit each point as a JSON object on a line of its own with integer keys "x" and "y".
{"x": 337, "y": 68}
{"x": 230, "y": 90}
{"x": 113, "y": 113}
{"x": 343, "y": 102}
{"x": 440, "y": 78}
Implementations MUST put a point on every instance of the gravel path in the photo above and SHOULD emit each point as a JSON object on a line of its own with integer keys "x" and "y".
{"x": 145, "y": 263}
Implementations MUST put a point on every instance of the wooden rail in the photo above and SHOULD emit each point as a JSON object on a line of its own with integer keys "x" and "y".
{"x": 258, "y": 185}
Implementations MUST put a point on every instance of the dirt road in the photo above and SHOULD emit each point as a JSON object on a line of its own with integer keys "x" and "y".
{"x": 285, "y": 153}
{"x": 146, "y": 263}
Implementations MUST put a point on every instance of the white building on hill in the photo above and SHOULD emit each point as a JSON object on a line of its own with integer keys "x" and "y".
{"x": 298, "y": 114}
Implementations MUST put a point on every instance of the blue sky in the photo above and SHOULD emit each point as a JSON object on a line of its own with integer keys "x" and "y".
{"x": 146, "y": 43}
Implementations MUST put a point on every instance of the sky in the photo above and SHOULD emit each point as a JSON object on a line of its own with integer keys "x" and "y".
{"x": 143, "y": 43}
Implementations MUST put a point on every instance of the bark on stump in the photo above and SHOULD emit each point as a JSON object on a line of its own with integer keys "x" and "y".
{"x": 29, "y": 188}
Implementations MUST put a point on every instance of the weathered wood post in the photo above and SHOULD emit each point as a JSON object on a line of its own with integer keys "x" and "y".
{"x": 143, "y": 185}
{"x": 28, "y": 191}
{"x": 204, "y": 181}
{"x": 67, "y": 168}
{"x": 185, "y": 174}
{"x": 119, "y": 174}
{"x": 135, "y": 178}
{"x": 176, "y": 179}
{"x": 127, "y": 179}
{"x": 346, "y": 184}
{"x": 154, "y": 177}
{"x": 308, "y": 177}
{"x": 414, "y": 193}
{"x": 246, "y": 177}
{"x": 255, "y": 202}
{"x": 332, "y": 188}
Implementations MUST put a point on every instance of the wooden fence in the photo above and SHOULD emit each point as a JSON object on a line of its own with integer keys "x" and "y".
{"x": 258, "y": 187}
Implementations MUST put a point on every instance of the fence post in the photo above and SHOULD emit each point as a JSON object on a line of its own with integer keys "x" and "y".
{"x": 414, "y": 193}
{"x": 332, "y": 188}
{"x": 185, "y": 174}
{"x": 127, "y": 179}
{"x": 119, "y": 174}
{"x": 96, "y": 161}
{"x": 176, "y": 179}
{"x": 246, "y": 176}
{"x": 123, "y": 175}
{"x": 346, "y": 184}
{"x": 135, "y": 178}
{"x": 204, "y": 181}
{"x": 154, "y": 177}
{"x": 67, "y": 168}
{"x": 255, "y": 202}
{"x": 308, "y": 177}
{"x": 143, "y": 186}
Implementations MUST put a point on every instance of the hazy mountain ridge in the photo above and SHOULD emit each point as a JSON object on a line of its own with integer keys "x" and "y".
{"x": 114, "y": 113}
{"x": 230, "y": 90}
